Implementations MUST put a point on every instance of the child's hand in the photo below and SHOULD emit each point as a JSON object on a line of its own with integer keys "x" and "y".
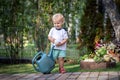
{"x": 59, "y": 44}
{"x": 53, "y": 40}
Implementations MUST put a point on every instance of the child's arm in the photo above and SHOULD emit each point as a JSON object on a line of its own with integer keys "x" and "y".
{"x": 62, "y": 42}
{"x": 51, "y": 39}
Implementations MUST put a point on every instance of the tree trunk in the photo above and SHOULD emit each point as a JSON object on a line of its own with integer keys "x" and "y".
{"x": 39, "y": 32}
{"x": 114, "y": 16}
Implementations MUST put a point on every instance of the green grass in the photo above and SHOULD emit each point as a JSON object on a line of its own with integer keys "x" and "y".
{"x": 72, "y": 53}
{"x": 28, "y": 68}
{"x": 16, "y": 68}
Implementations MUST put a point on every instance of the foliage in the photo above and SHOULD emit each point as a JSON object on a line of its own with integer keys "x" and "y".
{"x": 91, "y": 22}
{"x": 100, "y": 54}
{"x": 93, "y": 28}
{"x": 103, "y": 53}
{"x": 28, "y": 22}
{"x": 23, "y": 22}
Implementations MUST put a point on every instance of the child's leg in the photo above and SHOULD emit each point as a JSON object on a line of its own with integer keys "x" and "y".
{"x": 61, "y": 56}
{"x": 61, "y": 62}
{"x": 61, "y": 65}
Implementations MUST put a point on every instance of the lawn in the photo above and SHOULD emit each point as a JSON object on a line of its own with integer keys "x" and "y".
{"x": 28, "y": 68}
{"x": 72, "y": 54}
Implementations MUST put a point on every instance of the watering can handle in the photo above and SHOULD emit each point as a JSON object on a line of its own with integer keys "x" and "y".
{"x": 34, "y": 60}
{"x": 50, "y": 54}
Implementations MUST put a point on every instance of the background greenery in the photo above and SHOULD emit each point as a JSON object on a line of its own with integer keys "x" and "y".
{"x": 24, "y": 25}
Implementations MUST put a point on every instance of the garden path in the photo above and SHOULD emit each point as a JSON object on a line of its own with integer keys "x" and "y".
{"x": 65, "y": 76}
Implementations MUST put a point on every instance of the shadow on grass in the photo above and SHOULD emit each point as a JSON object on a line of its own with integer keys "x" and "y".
{"x": 16, "y": 68}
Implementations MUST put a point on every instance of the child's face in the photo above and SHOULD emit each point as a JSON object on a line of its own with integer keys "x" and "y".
{"x": 58, "y": 23}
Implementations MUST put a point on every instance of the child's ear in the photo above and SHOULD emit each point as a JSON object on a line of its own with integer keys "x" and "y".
{"x": 62, "y": 22}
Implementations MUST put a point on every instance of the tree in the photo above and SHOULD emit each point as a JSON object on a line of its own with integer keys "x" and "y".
{"x": 112, "y": 12}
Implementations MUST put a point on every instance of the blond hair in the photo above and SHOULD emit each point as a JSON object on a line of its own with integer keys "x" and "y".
{"x": 58, "y": 16}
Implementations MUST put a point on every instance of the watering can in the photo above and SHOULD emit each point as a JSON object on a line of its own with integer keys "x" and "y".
{"x": 44, "y": 63}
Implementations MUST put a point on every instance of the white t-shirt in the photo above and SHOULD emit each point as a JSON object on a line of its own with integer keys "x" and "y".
{"x": 58, "y": 35}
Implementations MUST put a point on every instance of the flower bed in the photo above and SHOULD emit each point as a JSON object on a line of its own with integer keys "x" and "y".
{"x": 104, "y": 56}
